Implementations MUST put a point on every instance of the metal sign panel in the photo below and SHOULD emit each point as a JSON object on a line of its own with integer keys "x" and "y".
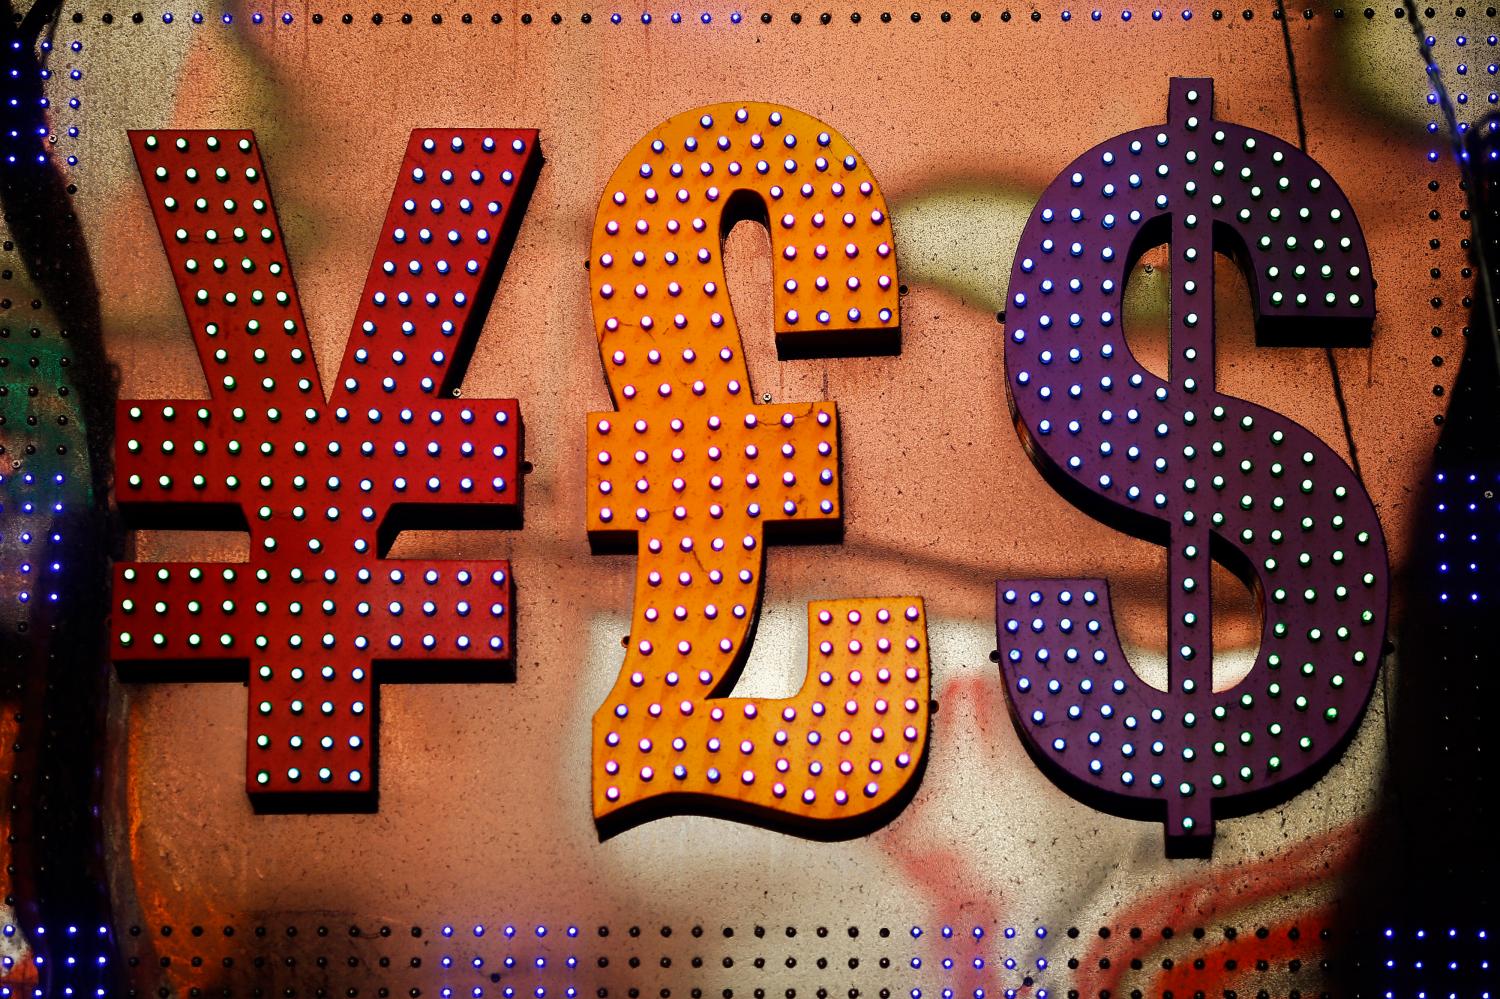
{"x": 486, "y": 861}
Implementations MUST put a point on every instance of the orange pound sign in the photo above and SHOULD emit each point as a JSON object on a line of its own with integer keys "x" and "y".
{"x": 694, "y": 472}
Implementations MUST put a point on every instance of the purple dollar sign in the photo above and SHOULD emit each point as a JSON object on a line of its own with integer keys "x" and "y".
{"x": 1210, "y": 476}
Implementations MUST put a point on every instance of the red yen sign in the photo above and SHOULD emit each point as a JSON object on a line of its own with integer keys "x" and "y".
{"x": 323, "y": 483}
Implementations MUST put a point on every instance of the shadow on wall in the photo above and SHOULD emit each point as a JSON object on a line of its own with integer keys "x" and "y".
{"x": 53, "y": 667}
{"x": 1431, "y": 850}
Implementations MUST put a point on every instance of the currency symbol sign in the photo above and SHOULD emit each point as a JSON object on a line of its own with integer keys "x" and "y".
{"x": 697, "y": 472}
{"x": 318, "y": 615}
{"x": 1210, "y": 476}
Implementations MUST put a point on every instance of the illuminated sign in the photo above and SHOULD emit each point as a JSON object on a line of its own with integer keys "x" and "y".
{"x": 698, "y": 473}
{"x": 981, "y": 806}
{"x": 323, "y": 483}
{"x": 1210, "y": 476}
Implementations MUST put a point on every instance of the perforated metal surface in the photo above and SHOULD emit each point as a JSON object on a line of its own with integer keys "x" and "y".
{"x": 484, "y": 811}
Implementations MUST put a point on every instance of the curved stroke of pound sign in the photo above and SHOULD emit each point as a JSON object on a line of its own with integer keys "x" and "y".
{"x": 694, "y": 471}
{"x": 1204, "y": 473}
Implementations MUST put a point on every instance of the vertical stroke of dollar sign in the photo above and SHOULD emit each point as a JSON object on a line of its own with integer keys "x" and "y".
{"x": 695, "y": 472}
{"x": 1210, "y": 475}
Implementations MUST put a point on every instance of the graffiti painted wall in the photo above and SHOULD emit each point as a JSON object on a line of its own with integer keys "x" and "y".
{"x": 475, "y": 866}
